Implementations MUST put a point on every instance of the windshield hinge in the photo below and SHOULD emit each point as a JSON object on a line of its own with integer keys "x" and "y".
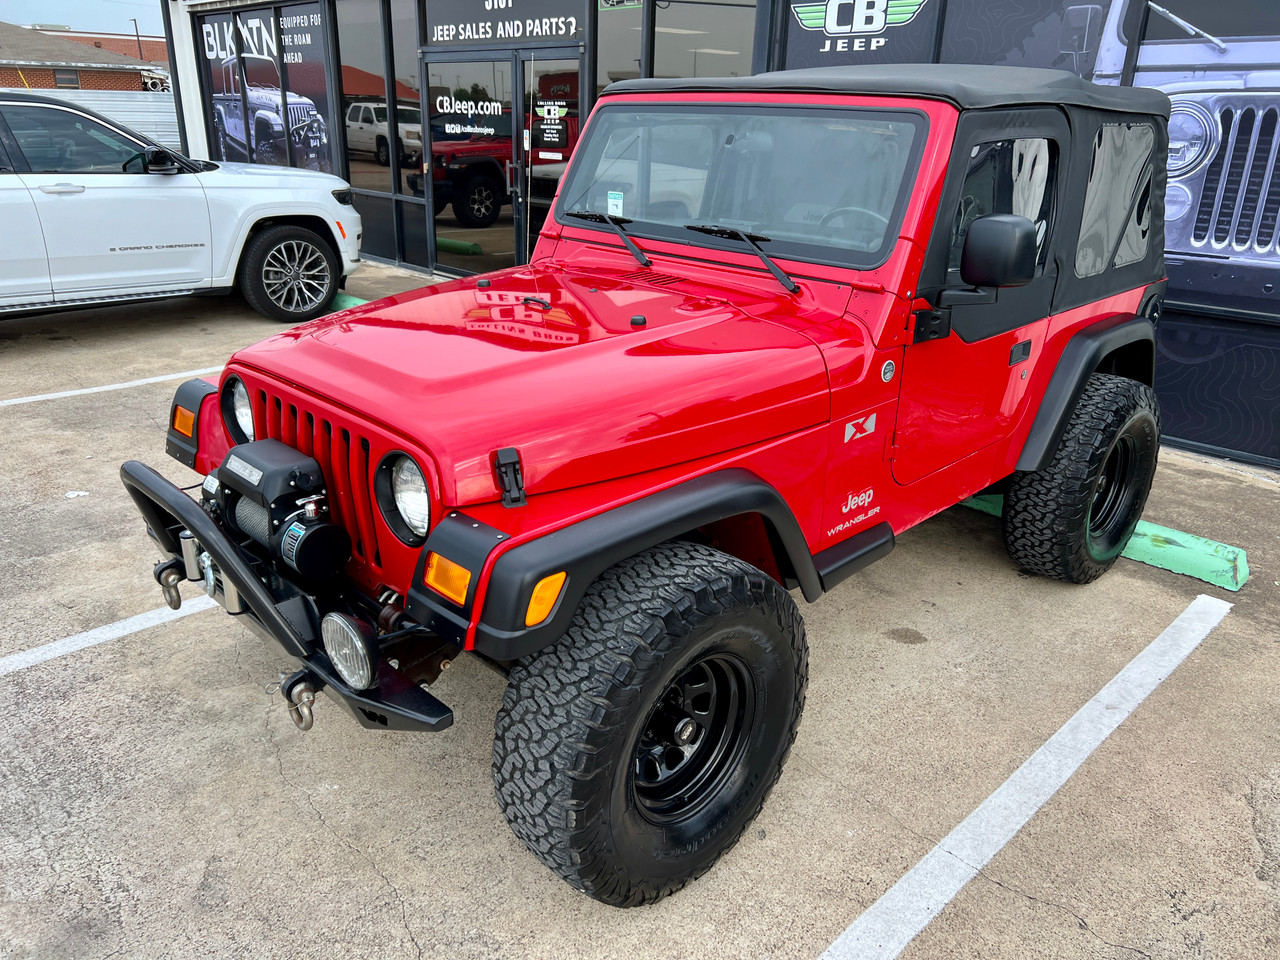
{"x": 509, "y": 474}
{"x": 931, "y": 324}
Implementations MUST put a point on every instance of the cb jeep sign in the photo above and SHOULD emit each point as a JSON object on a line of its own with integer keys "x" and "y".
{"x": 872, "y": 30}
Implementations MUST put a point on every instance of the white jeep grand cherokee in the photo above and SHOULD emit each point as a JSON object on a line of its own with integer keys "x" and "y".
{"x": 91, "y": 212}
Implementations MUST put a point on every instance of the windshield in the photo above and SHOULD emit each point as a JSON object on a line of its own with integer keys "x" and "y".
{"x": 409, "y": 114}
{"x": 813, "y": 184}
{"x": 1224, "y": 18}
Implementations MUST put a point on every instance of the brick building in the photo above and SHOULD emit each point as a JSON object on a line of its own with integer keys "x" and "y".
{"x": 31, "y": 60}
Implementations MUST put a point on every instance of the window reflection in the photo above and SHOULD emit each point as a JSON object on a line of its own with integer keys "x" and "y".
{"x": 703, "y": 38}
{"x": 364, "y": 94}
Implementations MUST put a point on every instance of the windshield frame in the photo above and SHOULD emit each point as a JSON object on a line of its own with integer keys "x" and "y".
{"x": 789, "y": 250}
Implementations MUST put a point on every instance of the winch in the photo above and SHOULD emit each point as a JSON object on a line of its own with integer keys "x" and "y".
{"x": 276, "y": 496}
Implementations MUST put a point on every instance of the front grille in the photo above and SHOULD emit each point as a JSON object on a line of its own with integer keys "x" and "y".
{"x": 299, "y": 115}
{"x": 344, "y": 456}
{"x": 1241, "y": 195}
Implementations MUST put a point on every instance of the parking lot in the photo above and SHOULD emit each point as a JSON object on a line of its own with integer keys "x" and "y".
{"x": 155, "y": 801}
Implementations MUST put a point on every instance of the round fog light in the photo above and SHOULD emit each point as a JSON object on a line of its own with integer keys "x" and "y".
{"x": 351, "y": 647}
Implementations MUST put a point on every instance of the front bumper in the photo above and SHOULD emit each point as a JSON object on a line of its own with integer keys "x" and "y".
{"x": 276, "y": 609}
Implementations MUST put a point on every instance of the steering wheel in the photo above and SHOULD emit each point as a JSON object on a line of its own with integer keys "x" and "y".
{"x": 841, "y": 211}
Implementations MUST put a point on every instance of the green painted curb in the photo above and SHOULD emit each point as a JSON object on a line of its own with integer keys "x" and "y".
{"x": 344, "y": 301}
{"x": 1217, "y": 563}
{"x": 466, "y": 248}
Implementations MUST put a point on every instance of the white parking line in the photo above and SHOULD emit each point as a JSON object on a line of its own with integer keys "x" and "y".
{"x": 112, "y": 631}
{"x": 111, "y": 386}
{"x": 892, "y": 922}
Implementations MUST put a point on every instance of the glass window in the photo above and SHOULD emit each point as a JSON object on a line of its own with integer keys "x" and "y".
{"x": 618, "y": 49}
{"x": 819, "y": 184}
{"x": 1115, "y": 221}
{"x": 408, "y": 116}
{"x": 1224, "y": 18}
{"x": 1006, "y": 176}
{"x": 703, "y": 38}
{"x": 364, "y": 82}
{"x": 267, "y": 120}
{"x": 68, "y": 79}
{"x": 301, "y": 29}
{"x": 58, "y": 141}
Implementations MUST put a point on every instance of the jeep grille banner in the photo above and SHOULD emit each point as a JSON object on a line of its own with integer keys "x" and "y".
{"x": 263, "y": 72}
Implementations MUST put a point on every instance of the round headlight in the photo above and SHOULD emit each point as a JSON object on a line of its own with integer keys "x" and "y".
{"x": 237, "y": 410}
{"x": 351, "y": 647}
{"x": 409, "y": 491}
{"x": 1192, "y": 137}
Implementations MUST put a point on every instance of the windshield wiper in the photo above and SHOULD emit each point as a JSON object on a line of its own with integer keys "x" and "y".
{"x": 616, "y": 223}
{"x": 1191, "y": 28}
{"x": 754, "y": 240}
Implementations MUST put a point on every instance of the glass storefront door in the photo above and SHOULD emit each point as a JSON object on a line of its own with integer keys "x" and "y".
{"x": 501, "y": 126}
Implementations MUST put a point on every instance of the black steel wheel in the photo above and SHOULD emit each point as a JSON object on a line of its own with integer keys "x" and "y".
{"x": 693, "y": 740}
{"x": 632, "y": 753}
{"x": 289, "y": 273}
{"x": 1071, "y": 520}
{"x": 479, "y": 202}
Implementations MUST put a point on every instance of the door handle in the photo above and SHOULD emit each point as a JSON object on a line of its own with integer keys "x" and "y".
{"x": 513, "y": 187}
{"x": 63, "y": 188}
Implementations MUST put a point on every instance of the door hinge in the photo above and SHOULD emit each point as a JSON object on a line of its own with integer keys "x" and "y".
{"x": 932, "y": 325}
{"x": 509, "y": 474}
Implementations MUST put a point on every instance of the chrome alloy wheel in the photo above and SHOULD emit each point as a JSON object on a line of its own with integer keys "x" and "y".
{"x": 295, "y": 275}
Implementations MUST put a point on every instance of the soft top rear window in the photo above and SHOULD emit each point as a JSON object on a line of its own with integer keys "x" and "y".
{"x": 822, "y": 184}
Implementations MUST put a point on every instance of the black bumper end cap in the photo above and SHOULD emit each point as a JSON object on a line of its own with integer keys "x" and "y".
{"x": 396, "y": 703}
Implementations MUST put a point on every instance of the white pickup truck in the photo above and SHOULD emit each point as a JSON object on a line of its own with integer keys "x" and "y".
{"x": 94, "y": 213}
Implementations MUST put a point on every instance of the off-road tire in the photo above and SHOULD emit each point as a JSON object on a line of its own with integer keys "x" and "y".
{"x": 479, "y": 203}
{"x": 1071, "y": 520}
{"x": 253, "y": 286}
{"x": 568, "y": 764}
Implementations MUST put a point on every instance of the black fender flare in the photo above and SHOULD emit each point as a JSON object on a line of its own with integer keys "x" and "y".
{"x": 1078, "y": 362}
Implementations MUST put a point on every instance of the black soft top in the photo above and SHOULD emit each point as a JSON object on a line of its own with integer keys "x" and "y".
{"x": 967, "y": 86}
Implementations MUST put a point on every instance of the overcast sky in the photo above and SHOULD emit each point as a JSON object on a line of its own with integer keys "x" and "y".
{"x": 103, "y": 16}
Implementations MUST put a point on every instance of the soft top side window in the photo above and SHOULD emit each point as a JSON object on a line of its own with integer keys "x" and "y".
{"x": 1115, "y": 222}
{"x": 1007, "y": 176}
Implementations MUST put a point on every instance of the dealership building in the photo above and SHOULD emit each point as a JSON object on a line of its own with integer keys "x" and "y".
{"x": 453, "y": 121}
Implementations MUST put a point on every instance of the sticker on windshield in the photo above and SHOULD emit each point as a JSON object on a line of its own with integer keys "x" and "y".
{"x": 615, "y": 203}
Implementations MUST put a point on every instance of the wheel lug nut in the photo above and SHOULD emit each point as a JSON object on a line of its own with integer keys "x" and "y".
{"x": 685, "y": 730}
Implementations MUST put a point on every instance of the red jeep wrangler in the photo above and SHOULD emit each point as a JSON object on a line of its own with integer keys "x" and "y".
{"x": 772, "y": 322}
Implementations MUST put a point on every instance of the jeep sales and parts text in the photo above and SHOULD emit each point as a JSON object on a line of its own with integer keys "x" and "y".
{"x": 500, "y": 20}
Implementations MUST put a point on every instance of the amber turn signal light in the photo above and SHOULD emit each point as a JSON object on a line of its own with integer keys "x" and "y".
{"x": 544, "y": 598}
{"x": 447, "y": 578}
{"x": 184, "y": 421}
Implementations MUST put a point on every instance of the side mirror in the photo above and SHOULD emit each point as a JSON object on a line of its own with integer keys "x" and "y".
{"x": 999, "y": 251}
{"x": 156, "y": 160}
{"x": 1081, "y": 29}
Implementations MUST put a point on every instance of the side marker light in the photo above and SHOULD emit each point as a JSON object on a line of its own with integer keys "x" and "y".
{"x": 184, "y": 421}
{"x": 340, "y": 230}
{"x": 447, "y": 578}
{"x": 544, "y": 598}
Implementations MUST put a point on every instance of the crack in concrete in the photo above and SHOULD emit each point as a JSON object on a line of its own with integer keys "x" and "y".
{"x": 310, "y": 802}
{"x": 1081, "y": 922}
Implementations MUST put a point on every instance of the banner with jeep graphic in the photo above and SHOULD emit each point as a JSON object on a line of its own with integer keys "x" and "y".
{"x": 263, "y": 72}
{"x": 833, "y": 32}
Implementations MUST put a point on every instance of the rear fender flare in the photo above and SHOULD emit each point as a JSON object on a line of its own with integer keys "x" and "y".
{"x": 1081, "y": 358}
